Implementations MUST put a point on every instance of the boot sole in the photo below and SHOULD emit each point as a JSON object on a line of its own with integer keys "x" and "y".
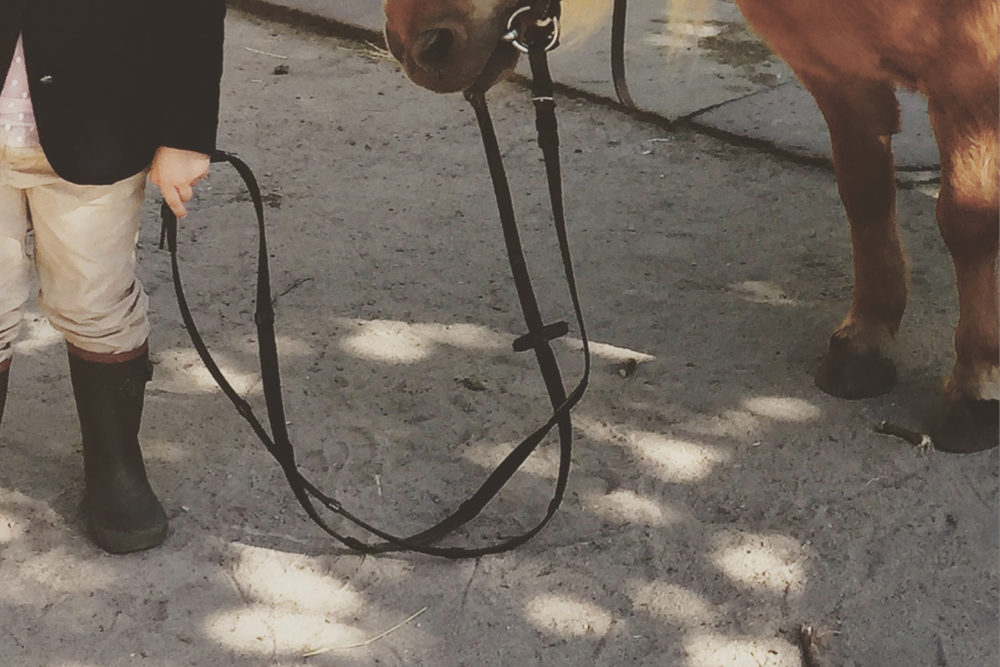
{"x": 123, "y": 542}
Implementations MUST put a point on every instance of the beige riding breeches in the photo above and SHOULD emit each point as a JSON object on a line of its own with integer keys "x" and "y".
{"x": 84, "y": 254}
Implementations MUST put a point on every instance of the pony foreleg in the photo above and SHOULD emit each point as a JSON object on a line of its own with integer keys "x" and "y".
{"x": 862, "y": 116}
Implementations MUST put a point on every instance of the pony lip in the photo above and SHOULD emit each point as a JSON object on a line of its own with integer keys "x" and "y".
{"x": 500, "y": 62}
{"x": 502, "y": 59}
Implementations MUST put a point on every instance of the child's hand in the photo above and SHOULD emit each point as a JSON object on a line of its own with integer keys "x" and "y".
{"x": 176, "y": 171}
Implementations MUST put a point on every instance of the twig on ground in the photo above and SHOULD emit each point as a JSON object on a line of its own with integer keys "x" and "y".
{"x": 921, "y": 441}
{"x": 265, "y": 53}
{"x": 367, "y": 642}
{"x": 295, "y": 285}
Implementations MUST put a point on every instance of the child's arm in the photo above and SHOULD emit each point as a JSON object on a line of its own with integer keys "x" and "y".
{"x": 176, "y": 171}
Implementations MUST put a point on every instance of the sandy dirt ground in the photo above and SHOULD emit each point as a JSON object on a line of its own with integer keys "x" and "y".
{"x": 718, "y": 501}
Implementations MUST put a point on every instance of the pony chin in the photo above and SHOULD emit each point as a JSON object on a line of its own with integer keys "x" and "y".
{"x": 500, "y": 64}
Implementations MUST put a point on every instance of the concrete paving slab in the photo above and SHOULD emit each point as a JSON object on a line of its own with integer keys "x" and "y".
{"x": 681, "y": 60}
{"x": 685, "y": 60}
{"x": 678, "y": 62}
{"x": 363, "y": 14}
{"x": 786, "y": 116}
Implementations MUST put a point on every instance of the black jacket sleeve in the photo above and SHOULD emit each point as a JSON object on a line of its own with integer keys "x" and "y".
{"x": 188, "y": 62}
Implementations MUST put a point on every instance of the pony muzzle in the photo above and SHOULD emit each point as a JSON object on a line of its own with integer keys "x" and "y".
{"x": 438, "y": 48}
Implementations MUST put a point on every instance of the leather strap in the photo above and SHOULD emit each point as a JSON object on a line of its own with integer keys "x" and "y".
{"x": 618, "y": 17}
{"x": 537, "y": 339}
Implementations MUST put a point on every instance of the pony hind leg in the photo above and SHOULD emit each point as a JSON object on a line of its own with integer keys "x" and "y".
{"x": 862, "y": 116}
{"x": 968, "y": 212}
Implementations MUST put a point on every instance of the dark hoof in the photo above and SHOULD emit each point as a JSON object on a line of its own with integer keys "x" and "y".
{"x": 966, "y": 425}
{"x": 846, "y": 374}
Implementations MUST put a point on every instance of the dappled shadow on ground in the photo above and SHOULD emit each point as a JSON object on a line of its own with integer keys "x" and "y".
{"x": 717, "y": 501}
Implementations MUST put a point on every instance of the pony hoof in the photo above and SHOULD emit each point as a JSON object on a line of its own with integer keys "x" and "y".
{"x": 966, "y": 425}
{"x": 846, "y": 374}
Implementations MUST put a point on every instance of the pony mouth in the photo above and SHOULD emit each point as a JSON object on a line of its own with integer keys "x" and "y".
{"x": 501, "y": 60}
{"x": 500, "y": 63}
{"x": 496, "y": 67}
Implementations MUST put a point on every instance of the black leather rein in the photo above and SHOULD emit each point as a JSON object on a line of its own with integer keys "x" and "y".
{"x": 538, "y": 339}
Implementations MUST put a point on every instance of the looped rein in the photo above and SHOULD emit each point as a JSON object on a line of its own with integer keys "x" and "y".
{"x": 538, "y": 339}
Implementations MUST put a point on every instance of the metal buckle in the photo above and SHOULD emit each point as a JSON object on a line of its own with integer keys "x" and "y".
{"x": 513, "y": 36}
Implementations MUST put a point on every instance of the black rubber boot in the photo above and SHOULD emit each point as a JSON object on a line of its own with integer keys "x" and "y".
{"x": 123, "y": 513}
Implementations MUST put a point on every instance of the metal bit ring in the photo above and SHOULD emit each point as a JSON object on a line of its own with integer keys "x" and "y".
{"x": 513, "y": 36}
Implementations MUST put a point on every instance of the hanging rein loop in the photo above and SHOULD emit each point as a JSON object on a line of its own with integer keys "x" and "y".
{"x": 538, "y": 339}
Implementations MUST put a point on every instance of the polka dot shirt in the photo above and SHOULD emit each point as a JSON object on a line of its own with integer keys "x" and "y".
{"x": 17, "y": 120}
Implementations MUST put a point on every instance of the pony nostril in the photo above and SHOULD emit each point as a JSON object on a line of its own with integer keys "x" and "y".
{"x": 434, "y": 48}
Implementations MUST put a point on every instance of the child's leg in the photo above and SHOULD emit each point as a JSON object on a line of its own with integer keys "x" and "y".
{"x": 85, "y": 239}
{"x": 15, "y": 274}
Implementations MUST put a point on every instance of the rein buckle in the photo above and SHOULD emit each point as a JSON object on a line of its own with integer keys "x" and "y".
{"x": 515, "y": 35}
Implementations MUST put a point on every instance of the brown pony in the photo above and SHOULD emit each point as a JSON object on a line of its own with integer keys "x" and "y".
{"x": 850, "y": 54}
